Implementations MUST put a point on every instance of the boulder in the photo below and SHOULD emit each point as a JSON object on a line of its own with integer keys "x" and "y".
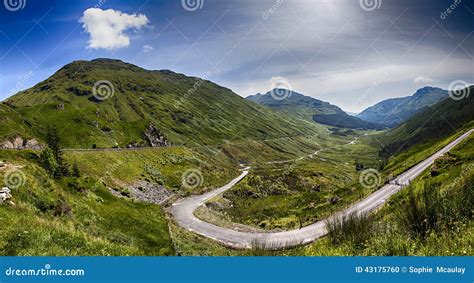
{"x": 155, "y": 138}
{"x": 5, "y": 194}
{"x": 7, "y": 145}
{"x": 334, "y": 199}
{"x": 33, "y": 144}
{"x": 18, "y": 143}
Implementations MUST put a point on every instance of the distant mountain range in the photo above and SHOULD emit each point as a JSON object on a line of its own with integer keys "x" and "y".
{"x": 394, "y": 111}
{"x": 311, "y": 109}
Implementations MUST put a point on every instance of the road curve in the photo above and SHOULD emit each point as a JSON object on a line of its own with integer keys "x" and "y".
{"x": 183, "y": 212}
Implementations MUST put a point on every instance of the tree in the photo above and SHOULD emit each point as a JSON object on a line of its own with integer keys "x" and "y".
{"x": 58, "y": 167}
{"x": 49, "y": 161}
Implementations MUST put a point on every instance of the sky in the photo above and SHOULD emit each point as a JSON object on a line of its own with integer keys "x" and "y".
{"x": 350, "y": 53}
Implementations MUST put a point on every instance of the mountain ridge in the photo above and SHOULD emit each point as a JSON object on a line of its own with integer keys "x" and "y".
{"x": 433, "y": 122}
{"x": 394, "y": 111}
{"x": 134, "y": 99}
{"x": 311, "y": 109}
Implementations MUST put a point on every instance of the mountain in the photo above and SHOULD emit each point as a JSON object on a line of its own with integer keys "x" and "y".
{"x": 106, "y": 103}
{"x": 435, "y": 122}
{"x": 310, "y": 109}
{"x": 392, "y": 112}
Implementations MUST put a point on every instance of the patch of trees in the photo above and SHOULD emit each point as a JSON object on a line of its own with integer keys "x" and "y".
{"x": 51, "y": 158}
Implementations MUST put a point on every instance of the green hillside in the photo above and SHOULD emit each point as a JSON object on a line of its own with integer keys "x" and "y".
{"x": 12, "y": 123}
{"x": 182, "y": 110}
{"x": 434, "y": 123}
{"x": 310, "y": 109}
{"x": 392, "y": 112}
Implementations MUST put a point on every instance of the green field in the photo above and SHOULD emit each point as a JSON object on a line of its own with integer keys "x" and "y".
{"x": 298, "y": 192}
{"x": 391, "y": 230}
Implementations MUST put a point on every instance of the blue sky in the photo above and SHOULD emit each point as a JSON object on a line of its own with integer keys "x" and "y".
{"x": 346, "y": 52}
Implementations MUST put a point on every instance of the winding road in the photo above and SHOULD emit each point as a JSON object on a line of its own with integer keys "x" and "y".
{"x": 183, "y": 212}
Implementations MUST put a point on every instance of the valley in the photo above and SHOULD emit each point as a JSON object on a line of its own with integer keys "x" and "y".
{"x": 183, "y": 211}
{"x": 146, "y": 170}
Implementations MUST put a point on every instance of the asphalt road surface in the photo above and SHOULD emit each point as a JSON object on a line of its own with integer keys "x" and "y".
{"x": 183, "y": 212}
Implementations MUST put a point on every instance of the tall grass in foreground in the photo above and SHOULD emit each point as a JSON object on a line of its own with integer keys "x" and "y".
{"x": 262, "y": 247}
{"x": 432, "y": 210}
{"x": 355, "y": 228}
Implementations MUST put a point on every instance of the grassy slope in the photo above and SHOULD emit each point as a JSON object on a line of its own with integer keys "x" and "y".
{"x": 285, "y": 197}
{"x": 434, "y": 123}
{"x": 209, "y": 115}
{"x": 99, "y": 224}
{"x": 103, "y": 224}
{"x": 12, "y": 123}
{"x": 286, "y": 209}
{"x": 391, "y": 237}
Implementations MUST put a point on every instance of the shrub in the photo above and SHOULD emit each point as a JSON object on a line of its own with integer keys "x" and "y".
{"x": 48, "y": 161}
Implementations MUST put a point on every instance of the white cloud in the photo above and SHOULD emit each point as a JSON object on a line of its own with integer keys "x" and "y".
{"x": 107, "y": 27}
{"x": 423, "y": 80}
{"x": 147, "y": 48}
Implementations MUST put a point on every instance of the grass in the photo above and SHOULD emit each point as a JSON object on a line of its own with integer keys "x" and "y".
{"x": 295, "y": 193}
{"x": 52, "y": 217}
{"x": 431, "y": 217}
{"x": 386, "y": 232}
{"x": 409, "y": 158}
{"x": 65, "y": 101}
{"x": 355, "y": 228}
{"x": 167, "y": 164}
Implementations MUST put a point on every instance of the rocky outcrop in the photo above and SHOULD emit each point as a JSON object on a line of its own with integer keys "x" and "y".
{"x": 155, "y": 138}
{"x": 7, "y": 145}
{"x": 33, "y": 144}
{"x": 20, "y": 143}
{"x": 145, "y": 192}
